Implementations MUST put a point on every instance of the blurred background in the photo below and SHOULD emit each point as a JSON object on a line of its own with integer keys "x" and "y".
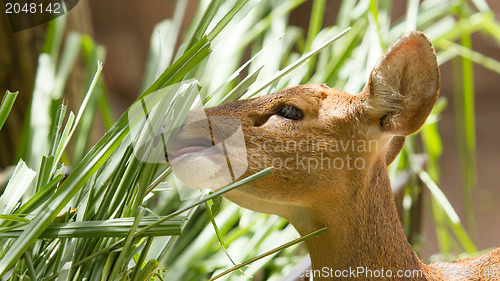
{"x": 124, "y": 29}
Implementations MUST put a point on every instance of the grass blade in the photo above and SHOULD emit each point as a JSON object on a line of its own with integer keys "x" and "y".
{"x": 284, "y": 246}
{"x": 17, "y": 186}
{"x": 448, "y": 210}
{"x": 79, "y": 115}
{"x": 7, "y": 102}
{"x": 107, "y": 228}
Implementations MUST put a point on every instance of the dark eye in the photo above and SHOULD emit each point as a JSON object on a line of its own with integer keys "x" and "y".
{"x": 290, "y": 112}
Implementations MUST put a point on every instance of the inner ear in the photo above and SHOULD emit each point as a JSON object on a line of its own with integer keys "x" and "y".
{"x": 404, "y": 85}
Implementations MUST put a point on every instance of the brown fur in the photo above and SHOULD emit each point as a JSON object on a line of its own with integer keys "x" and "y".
{"x": 356, "y": 205}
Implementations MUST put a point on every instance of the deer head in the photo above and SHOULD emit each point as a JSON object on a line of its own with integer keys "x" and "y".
{"x": 320, "y": 140}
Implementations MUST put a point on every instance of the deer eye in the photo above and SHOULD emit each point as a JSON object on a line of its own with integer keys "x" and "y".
{"x": 290, "y": 112}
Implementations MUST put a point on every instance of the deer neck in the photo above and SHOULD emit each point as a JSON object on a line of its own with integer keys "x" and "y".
{"x": 363, "y": 230}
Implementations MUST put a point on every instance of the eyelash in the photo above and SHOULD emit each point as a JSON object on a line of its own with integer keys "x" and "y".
{"x": 290, "y": 112}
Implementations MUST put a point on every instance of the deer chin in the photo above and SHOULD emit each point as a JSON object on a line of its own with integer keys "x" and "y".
{"x": 201, "y": 167}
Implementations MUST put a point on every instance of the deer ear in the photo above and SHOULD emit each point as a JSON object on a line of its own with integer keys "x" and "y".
{"x": 404, "y": 85}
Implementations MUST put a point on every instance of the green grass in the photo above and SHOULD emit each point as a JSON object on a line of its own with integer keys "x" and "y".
{"x": 7, "y": 102}
{"x": 115, "y": 217}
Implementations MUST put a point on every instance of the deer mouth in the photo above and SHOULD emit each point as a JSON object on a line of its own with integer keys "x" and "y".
{"x": 198, "y": 164}
{"x": 181, "y": 149}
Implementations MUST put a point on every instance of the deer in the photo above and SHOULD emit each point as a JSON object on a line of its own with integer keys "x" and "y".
{"x": 353, "y": 139}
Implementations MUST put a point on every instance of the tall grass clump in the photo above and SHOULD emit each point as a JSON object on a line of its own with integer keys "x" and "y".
{"x": 115, "y": 217}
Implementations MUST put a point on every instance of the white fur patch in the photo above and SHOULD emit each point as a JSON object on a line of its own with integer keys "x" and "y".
{"x": 205, "y": 169}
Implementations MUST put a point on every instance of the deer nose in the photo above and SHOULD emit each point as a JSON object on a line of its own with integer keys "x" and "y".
{"x": 181, "y": 128}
